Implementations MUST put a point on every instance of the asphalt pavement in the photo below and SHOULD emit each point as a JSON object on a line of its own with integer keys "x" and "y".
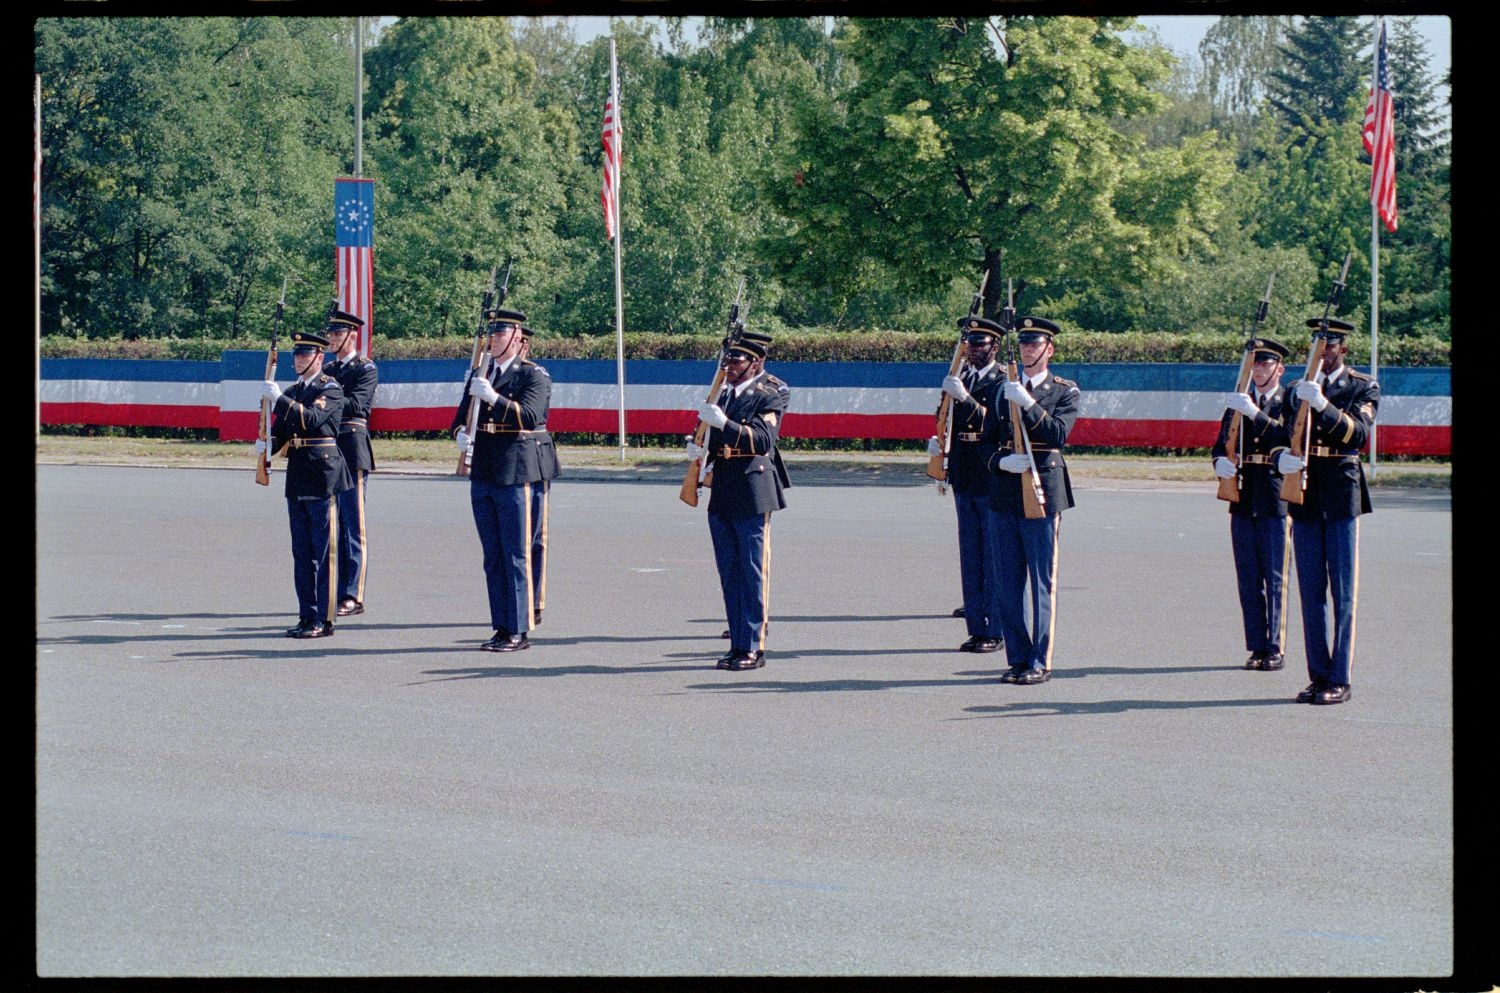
{"x": 213, "y": 799}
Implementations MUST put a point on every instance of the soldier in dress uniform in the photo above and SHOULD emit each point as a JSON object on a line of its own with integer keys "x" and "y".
{"x": 513, "y": 456}
{"x": 1024, "y": 550}
{"x": 747, "y": 488}
{"x": 1258, "y": 525}
{"x": 358, "y": 378}
{"x": 1325, "y": 525}
{"x": 976, "y": 405}
{"x": 551, "y": 469}
{"x": 306, "y": 427}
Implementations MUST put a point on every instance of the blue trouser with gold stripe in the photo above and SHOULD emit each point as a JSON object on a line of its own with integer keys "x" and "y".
{"x": 742, "y": 551}
{"x": 1260, "y": 570}
{"x": 502, "y": 516}
{"x": 1023, "y": 551}
{"x": 352, "y": 539}
{"x": 314, "y": 522}
{"x": 1327, "y": 554}
{"x": 981, "y": 609}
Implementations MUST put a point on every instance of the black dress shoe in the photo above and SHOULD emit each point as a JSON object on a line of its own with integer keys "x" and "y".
{"x": 725, "y": 660}
{"x": 505, "y": 642}
{"x": 296, "y": 632}
{"x": 493, "y": 645}
{"x": 1313, "y": 689}
{"x": 746, "y": 660}
{"x": 1332, "y": 693}
{"x": 1033, "y": 675}
{"x": 1271, "y": 663}
{"x": 1253, "y": 662}
{"x": 1013, "y": 673}
{"x": 316, "y": 630}
{"x": 959, "y": 612}
{"x": 348, "y": 606}
{"x": 980, "y": 645}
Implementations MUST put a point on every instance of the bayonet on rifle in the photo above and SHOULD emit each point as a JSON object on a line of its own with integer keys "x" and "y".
{"x": 479, "y": 365}
{"x": 688, "y": 494}
{"x": 1234, "y": 443}
{"x": 937, "y": 465}
{"x": 1294, "y": 486}
{"x": 263, "y": 461}
{"x": 1033, "y": 499}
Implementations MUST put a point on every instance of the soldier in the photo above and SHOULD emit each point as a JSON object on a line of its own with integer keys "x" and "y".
{"x": 1258, "y": 525}
{"x": 551, "y": 469}
{"x": 306, "y": 427}
{"x": 1024, "y": 550}
{"x": 513, "y": 454}
{"x": 357, "y": 377}
{"x": 1325, "y": 525}
{"x": 976, "y": 404}
{"x": 747, "y": 489}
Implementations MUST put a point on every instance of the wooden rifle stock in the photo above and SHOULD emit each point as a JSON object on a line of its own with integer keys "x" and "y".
{"x": 263, "y": 461}
{"x": 1292, "y": 486}
{"x": 689, "y": 492}
{"x": 1033, "y": 500}
{"x": 1229, "y": 489}
{"x": 479, "y": 365}
{"x": 937, "y": 465}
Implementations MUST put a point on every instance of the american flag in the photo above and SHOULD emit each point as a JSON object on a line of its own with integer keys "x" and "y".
{"x": 610, "y": 138}
{"x": 1379, "y": 134}
{"x": 354, "y": 240}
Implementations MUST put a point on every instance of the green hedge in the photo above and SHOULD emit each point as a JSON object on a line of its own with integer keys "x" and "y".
{"x": 801, "y": 346}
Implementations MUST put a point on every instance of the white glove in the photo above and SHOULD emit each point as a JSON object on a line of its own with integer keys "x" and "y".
{"x": 480, "y": 387}
{"x": 934, "y": 447}
{"x": 1016, "y": 462}
{"x": 260, "y": 448}
{"x": 1311, "y": 393}
{"x": 695, "y": 451}
{"x": 270, "y": 390}
{"x": 712, "y": 415}
{"x": 463, "y": 440}
{"x": 1241, "y": 403}
{"x": 1287, "y": 463}
{"x": 1016, "y": 393}
{"x": 1223, "y": 468}
{"x": 954, "y": 387}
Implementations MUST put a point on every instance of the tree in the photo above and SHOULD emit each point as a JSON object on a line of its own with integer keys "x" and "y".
{"x": 946, "y": 158}
{"x": 1240, "y": 53}
{"x": 1323, "y": 78}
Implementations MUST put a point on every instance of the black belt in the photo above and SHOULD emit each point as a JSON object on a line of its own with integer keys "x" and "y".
{"x": 1257, "y": 460}
{"x": 490, "y": 427}
{"x": 725, "y": 452}
{"x": 354, "y": 422}
{"x": 968, "y": 436}
{"x": 310, "y": 442}
{"x": 1323, "y": 452}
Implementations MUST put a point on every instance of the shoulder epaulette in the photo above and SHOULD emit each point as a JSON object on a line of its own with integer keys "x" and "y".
{"x": 1361, "y": 375}
{"x": 1064, "y": 382}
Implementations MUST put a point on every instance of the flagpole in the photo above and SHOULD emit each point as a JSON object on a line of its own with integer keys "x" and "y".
{"x": 1374, "y": 263}
{"x": 36, "y": 235}
{"x": 614, "y": 95}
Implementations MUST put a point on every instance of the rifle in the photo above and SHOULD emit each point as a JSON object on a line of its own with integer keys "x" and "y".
{"x": 263, "y": 461}
{"x": 1234, "y": 445}
{"x": 937, "y": 465}
{"x": 479, "y": 363}
{"x": 1033, "y": 500}
{"x": 690, "y": 483}
{"x": 1293, "y": 486}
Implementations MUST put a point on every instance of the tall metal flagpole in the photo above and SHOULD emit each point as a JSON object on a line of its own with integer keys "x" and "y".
{"x": 1374, "y": 258}
{"x": 614, "y": 95}
{"x": 36, "y": 237}
{"x": 359, "y": 98}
